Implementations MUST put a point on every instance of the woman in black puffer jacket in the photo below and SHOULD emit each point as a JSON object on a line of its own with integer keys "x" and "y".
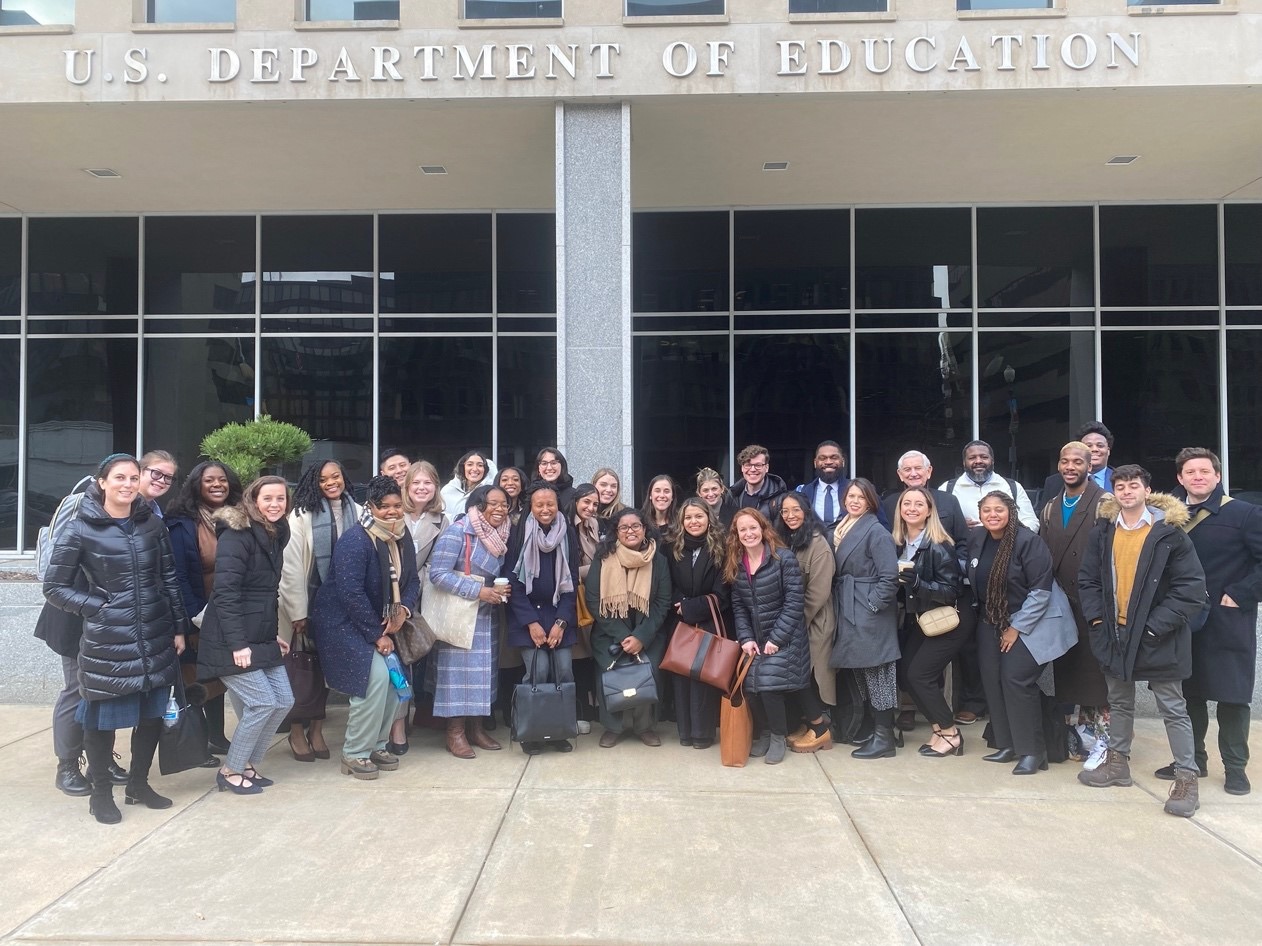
{"x": 768, "y": 604}
{"x": 113, "y": 567}
{"x": 240, "y": 642}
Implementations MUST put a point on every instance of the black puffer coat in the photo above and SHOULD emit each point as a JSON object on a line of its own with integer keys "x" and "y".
{"x": 242, "y": 611}
{"x": 770, "y": 607}
{"x": 130, "y": 604}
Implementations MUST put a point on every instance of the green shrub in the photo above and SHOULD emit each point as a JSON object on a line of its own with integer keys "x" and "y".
{"x": 250, "y": 447}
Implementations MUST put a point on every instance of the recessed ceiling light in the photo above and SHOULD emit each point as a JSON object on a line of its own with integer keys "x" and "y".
{"x": 104, "y": 174}
{"x": 1123, "y": 159}
{"x": 433, "y": 169}
{"x": 775, "y": 165}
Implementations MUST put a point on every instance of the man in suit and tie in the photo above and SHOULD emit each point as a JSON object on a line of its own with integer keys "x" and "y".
{"x": 826, "y": 492}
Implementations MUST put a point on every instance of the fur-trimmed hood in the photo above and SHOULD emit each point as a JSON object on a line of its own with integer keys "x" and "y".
{"x": 1165, "y": 507}
{"x": 231, "y": 517}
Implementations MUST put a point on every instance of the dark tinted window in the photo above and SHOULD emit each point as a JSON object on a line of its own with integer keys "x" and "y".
{"x": 1244, "y": 422}
{"x": 1159, "y": 255}
{"x": 435, "y": 262}
{"x": 10, "y": 266}
{"x": 526, "y": 257}
{"x": 317, "y": 265}
{"x": 489, "y": 9}
{"x": 83, "y": 265}
{"x": 675, "y": 7}
{"x": 680, "y": 262}
{"x": 792, "y": 259}
{"x": 199, "y": 265}
{"x": 352, "y": 10}
{"x": 10, "y": 356}
{"x": 1035, "y": 257}
{"x": 527, "y": 397}
{"x": 837, "y": 6}
{"x": 913, "y": 259}
{"x": 1242, "y": 225}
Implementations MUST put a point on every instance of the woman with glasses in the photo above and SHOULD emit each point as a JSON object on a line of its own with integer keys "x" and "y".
{"x": 628, "y": 595}
{"x": 209, "y": 487}
{"x": 551, "y": 467}
{"x": 465, "y": 680}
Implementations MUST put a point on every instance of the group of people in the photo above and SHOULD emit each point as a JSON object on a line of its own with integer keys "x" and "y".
{"x": 854, "y": 609}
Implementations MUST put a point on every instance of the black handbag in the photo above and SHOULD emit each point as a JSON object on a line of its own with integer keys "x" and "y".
{"x": 306, "y": 680}
{"x": 544, "y": 712}
{"x": 628, "y": 682}
{"x": 182, "y": 746}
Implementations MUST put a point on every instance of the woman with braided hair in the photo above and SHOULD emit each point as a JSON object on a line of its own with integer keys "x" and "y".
{"x": 1022, "y": 615}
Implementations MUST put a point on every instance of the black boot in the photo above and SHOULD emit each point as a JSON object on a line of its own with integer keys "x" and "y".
{"x": 883, "y": 743}
{"x": 144, "y": 742}
{"x": 215, "y": 737}
{"x": 70, "y": 778}
{"x": 98, "y": 746}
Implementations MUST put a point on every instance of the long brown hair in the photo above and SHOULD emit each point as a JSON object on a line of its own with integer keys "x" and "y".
{"x": 713, "y": 534}
{"x": 996, "y": 610}
{"x": 250, "y": 501}
{"x": 732, "y": 558}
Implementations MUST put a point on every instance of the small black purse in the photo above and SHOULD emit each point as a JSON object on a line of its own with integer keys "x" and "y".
{"x": 628, "y": 682}
{"x": 544, "y": 712}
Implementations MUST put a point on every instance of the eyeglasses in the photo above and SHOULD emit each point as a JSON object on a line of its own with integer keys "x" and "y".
{"x": 627, "y": 530}
{"x": 543, "y": 463}
{"x": 753, "y": 466}
{"x": 495, "y": 504}
{"x": 158, "y": 476}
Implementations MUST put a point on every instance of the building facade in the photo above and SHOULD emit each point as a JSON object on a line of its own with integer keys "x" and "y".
{"x": 645, "y": 231}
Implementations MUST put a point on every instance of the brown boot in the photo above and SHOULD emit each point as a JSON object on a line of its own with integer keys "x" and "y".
{"x": 1114, "y": 770}
{"x": 457, "y": 744}
{"x": 478, "y": 734}
{"x": 1184, "y": 796}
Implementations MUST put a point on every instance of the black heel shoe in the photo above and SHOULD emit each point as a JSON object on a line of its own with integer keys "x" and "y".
{"x": 955, "y": 740}
{"x": 1031, "y": 765}
{"x": 244, "y": 787}
{"x": 257, "y": 779}
{"x": 1001, "y": 755}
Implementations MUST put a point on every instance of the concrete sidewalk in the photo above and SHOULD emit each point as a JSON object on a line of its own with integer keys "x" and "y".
{"x": 630, "y": 845}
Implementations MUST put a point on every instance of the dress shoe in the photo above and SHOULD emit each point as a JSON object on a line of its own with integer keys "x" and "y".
{"x": 906, "y": 720}
{"x": 212, "y": 762}
{"x": 398, "y": 748}
{"x": 1000, "y": 755}
{"x": 308, "y": 756}
{"x": 967, "y": 717}
{"x": 259, "y": 780}
{"x": 954, "y": 740}
{"x": 650, "y": 738}
{"x": 559, "y": 745}
{"x": 241, "y": 785}
{"x": 70, "y": 778}
{"x": 1030, "y": 765}
{"x": 798, "y": 733}
{"x": 810, "y": 742}
{"x": 702, "y": 743}
{"x": 1166, "y": 772}
{"x": 685, "y": 740}
{"x": 1237, "y": 782}
{"x": 142, "y": 794}
{"x": 532, "y": 748}
{"x": 118, "y": 774}
{"x": 609, "y": 739}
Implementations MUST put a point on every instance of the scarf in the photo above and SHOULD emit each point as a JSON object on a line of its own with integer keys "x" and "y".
{"x": 535, "y": 541}
{"x": 207, "y": 547}
{"x": 326, "y": 524}
{"x": 843, "y": 529}
{"x": 493, "y": 540}
{"x": 625, "y": 582}
{"x": 385, "y": 535}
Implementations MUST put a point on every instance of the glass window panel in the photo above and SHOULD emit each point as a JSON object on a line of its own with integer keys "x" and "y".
{"x": 680, "y": 261}
{"x": 318, "y": 264}
{"x": 913, "y": 391}
{"x": 10, "y": 266}
{"x": 1242, "y": 235}
{"x": 527, "y": 260}
{"x": 1159, "y": 255}
{"x": 527, "y": 398}
{"x": 10, "y": 355}
{"x": 83, "y": 265}
{"x": 36, "y": 12}
{"x": 324, "y": 386}
{"x": 1035, "y": 256}
{"x": 192, "y": 11}
{"x": 837, "y": 6}
{"x": 81, "y": 407}
{"x": 193, "y": 386}
{"x": 435, "y": 262}
{"x": 899, "y": 320}
{"x": 1019, "y": 320}
{"x": 1244, "y": 421}
{"x": 199, "y": 265}
{"x": 913, "y": 259}
{"x": 792, "y": 259}
{"x": 1003, "y": 4}
{"x": 489, "y": 9}
{"x": 1035, "y": 390}
{"x": 675, "y": 7}
{"x": 1177, "y": 371}
{"x": 792, "y": 391}
{"x": 435, "y": 398}
{"x": 674, "y": 370}
{"x": 41, "y": 325}
{"x": 352, "y": 10}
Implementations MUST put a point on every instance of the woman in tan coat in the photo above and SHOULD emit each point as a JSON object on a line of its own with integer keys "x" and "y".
{"x": 802, "y": 532}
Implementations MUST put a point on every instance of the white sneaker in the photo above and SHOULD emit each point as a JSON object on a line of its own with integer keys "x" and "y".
{"x": 1097, "y": 755}
{"x": 584, "y": 727}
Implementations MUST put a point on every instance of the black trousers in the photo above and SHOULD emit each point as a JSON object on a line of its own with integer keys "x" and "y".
{"x": 921, "y": 667}
{"x": 970, "y": 692}
{"x": 1233, "y": 732}
{"x": 1012, "y": 691}
{"x": 696, "y": 708}
{"x": 771, "y": 712}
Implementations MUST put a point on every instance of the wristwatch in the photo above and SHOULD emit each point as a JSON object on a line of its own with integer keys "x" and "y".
{"x": 561, "y": 624}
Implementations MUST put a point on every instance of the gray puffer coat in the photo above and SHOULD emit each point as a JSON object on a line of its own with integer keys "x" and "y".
{"x": 125, "y": 588}
{"x": 770, "y": 607}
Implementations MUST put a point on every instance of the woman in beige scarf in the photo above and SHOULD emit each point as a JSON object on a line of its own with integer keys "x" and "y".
{"x": 628, "y": 594}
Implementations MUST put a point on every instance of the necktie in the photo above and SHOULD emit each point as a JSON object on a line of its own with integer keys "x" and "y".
{"x": 828, "y": 505}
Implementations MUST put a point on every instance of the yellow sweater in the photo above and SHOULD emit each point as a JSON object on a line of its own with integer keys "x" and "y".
{"x": 1127, "y": 544}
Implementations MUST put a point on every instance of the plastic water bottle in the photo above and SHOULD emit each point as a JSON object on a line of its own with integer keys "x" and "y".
{"x": 398, "y": 678}
{"x": 172, "y": 715}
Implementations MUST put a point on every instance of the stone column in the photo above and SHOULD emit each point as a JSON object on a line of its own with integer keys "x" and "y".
{"x": 593, "y": 220}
